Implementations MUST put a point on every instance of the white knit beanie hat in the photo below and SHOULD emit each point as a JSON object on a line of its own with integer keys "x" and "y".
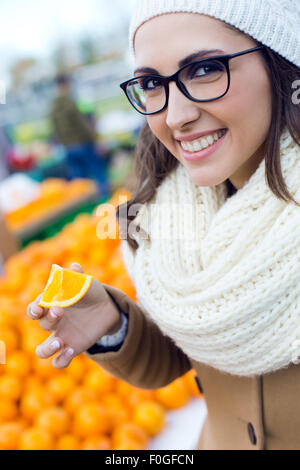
{"x": 274, "y": 23}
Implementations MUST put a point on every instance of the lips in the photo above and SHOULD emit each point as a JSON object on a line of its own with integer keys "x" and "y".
{"x": 198, "y": 135}
{"x": 195, "y": 156}
{"x": 201, "y": 143}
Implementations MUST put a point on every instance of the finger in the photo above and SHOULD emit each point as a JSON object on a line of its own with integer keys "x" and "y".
{"x": 51, "y": 320}
{"x": 49, "y": 347}
{"x": 63, "y": 359}
{"x": 76, "y": 267}
{"x": 34, "y": 311}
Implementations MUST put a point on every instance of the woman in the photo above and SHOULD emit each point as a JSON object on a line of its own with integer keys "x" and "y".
{"x": 214, "y": 249}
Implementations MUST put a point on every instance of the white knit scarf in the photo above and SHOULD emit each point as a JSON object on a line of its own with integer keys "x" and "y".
{"x": 224, "y": 283}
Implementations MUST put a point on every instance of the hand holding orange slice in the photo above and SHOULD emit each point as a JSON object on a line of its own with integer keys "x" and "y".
{"x": 64, "y": 287}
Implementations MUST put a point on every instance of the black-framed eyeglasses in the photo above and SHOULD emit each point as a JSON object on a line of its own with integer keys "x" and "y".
{"x": 200, "y": 81}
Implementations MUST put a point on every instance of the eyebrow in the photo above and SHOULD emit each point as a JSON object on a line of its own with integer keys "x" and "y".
{"x": 183, "y": 62}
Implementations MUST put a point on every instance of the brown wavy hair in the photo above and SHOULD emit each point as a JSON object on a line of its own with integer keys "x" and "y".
{"x": 153, "y": 161}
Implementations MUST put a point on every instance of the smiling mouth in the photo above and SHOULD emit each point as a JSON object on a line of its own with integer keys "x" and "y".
{"x": 203, "y": 142}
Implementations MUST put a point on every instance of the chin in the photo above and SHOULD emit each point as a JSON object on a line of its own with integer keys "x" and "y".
{"x": 201, "y": 180}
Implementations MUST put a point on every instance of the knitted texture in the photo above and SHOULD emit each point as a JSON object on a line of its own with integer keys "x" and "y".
{"x": 221, "y": 276}
{"x": 275, "y": 23}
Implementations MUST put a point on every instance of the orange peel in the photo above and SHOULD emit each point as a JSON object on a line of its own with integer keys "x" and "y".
{"x": 64, "y": 287}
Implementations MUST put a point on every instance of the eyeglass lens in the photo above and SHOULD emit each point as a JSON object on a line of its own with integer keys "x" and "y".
{"x": 202, "y": 81}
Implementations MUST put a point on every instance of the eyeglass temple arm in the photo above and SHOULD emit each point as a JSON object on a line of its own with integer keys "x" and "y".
{"x": 231, "y": 56}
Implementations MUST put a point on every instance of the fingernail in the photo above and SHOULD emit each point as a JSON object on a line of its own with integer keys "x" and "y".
{"x": 55, "y": 345}
{"x": 76, "y": 265}
{"x": 70, "y": 352}
{"x": 33, "y": 314}
{"x": 54, "y": 313}
{"x": 36, "y": 310}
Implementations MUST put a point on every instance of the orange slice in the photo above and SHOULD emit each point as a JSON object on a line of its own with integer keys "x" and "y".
{"x": 64, "y": 287}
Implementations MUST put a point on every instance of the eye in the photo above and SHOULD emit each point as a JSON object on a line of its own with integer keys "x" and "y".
{"x": 205, "y": 69}
{"x": 150, "y": 84}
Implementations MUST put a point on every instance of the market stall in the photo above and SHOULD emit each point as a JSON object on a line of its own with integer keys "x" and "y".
{"x": 81, "y": 407}
{"x": 32, "y": 208}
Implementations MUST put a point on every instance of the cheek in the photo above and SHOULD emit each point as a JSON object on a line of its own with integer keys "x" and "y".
{"x": 247, "y": 112}
{"x": 249, "y": 104}
{"x": 161, "y": 131}
{"x": 157, "y": 125}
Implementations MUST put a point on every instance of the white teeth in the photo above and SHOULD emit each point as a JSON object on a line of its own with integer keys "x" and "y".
{"x": 210, "y": 140}
{"x": 204, "y": 142}
{"x": 197, "y": 146}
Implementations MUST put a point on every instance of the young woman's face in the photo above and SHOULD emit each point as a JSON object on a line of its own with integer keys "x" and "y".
{"x": 245, "y": 111}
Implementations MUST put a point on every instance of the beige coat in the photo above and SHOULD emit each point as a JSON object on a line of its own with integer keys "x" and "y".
{"x": 260, "y": 413}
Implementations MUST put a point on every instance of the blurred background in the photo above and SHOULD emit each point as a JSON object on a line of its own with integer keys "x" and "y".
{"x": 67, "y": 140}
{"x": 92, "y": 132}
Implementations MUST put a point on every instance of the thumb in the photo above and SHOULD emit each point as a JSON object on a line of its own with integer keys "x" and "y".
{"x": 76, "y": 267}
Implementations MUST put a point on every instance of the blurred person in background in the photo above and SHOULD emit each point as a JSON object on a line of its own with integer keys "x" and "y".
{"x": 3, "y": 168}
{"x": 5, "y": 147}
{"x": 73, "y": 131}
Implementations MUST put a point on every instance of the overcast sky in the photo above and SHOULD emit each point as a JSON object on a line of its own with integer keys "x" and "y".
{"x": 33, "y": 27}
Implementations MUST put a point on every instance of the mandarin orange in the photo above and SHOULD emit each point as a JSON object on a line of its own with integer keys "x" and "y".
{"x": 129, "y": 432}
{"x": 36, "y": 439}
{"x": 99, "y": 381}
{"x": 77, "y": 398}
{"x": 150, "y": 416}
{"x": 11, "y": 387}
{"x": 33, "y": 401}
{"x": 10, "y": 434}
{"x": 175, "y": 395}
{"x": 43, "y": 368}
{"x": 10, "y": 338}
{"x": 90, "y": 419}
{"x": 76, "y": 369}
{"x": 60, "y": 387}
{"x": 18, "y": 363}
{"x": 68, "y": 442}
{"x": 8, "y": 410}
{"x": 99, "y": 442}
{"x": 54, "y": 419}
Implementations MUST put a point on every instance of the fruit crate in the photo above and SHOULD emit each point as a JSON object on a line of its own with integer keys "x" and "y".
{"x": 55, "y": 222}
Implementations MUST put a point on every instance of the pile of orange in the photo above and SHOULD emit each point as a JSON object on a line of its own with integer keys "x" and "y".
{"x": 55, "y": 193}
{"x": 81, "y": 407}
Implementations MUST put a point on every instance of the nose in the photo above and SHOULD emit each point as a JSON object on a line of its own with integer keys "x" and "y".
{"x": 180, "y": 111}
